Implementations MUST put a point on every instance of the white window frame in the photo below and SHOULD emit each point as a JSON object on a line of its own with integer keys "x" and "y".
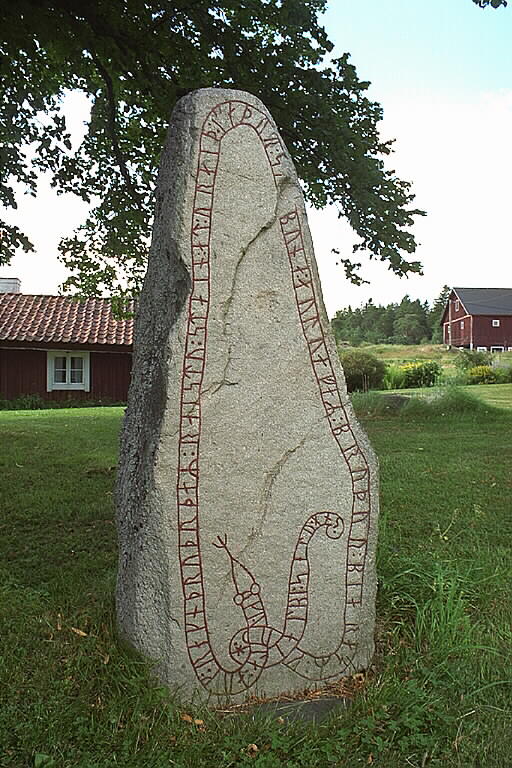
{"x": 462, "y": 325}
{"x": 497, "y": 349}
{"x": 457, "y": 305}
{"x": 51, "y": 384}
{"x": 481, "y": 349}
{"x": 495, "y": 323}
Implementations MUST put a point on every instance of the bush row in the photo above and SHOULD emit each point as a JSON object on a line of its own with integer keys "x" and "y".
{"x": 364, "y": 371}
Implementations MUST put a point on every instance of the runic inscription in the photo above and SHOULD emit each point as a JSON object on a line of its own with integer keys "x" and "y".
{"x": 247, "y": 491}
{"x": 258, "y": 645}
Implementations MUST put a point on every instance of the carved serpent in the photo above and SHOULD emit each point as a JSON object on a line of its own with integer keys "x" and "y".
{"x": 258, "y": 646}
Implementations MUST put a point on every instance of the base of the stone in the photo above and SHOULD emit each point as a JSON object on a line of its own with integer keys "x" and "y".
{"x": 307, "y": 705}
{"x": 306, "y": 710}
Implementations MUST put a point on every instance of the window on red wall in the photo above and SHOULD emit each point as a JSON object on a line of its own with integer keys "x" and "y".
{"x": 68, "y": 370}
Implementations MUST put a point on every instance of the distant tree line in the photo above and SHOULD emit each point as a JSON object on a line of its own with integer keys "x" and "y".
{"x": 409, "y": 322}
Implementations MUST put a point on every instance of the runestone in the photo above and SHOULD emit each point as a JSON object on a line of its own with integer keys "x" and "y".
{"x": 247, "y": 495}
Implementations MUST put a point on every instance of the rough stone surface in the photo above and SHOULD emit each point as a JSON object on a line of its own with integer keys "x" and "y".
{"x": 247, "y": 493}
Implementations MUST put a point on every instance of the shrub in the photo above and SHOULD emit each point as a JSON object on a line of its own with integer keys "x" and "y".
{"x": 481, "y": 374}
{"x": 36, "y": 403}
{"x": 422, "y": 374}
{"x": 408, "y": 375}
{"x": 23, "y": 403}
{"x": 395, "y": 377}
{"x": 363, "y": 371}
{"x": 470, "y": 358}
{"x": 503, "y": 375}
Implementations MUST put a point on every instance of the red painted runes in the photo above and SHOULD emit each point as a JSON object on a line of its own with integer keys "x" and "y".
{"x": 258, "y": 646}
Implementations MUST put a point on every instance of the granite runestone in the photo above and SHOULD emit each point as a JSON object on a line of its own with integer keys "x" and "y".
{"x": 247, "y": 494}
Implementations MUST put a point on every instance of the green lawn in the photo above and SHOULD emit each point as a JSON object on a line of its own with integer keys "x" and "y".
{"x": 441, "y": 690}
{"x": 405, "y": 353}
{"x": 499, "y": 395}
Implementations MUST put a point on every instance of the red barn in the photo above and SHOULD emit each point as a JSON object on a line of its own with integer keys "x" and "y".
{"x": 478, "y": 318}
{"x": 62, "y": 349}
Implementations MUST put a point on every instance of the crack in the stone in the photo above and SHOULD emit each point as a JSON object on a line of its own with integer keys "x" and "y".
{"x": 224, "y": 382}
{"x": 219, "y": 384}
{"x": 272, "y": 475}
{"x": 266, "y": 494}
{"x": 175, "y": 621}
{"x": 283, "y": 184}
{"x": 216, "y": 385}
{"x": 226, "y": 305}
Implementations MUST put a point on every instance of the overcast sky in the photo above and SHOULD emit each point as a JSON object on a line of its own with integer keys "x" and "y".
{"x": 442, "y": 70}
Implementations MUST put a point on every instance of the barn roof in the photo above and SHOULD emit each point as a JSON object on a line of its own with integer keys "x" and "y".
{"x": 61, "y": 319}
{"x": 486, "y": 301}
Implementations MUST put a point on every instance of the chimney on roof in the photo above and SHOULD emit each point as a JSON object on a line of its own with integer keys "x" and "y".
{"x": 10, "y": 285}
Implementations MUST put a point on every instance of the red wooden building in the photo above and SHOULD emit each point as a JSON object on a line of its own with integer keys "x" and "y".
{"x": 478, "y": 318}
{"x": 63, "y": 349}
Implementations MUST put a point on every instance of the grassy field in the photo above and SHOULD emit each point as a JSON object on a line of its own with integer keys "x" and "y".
{"x": 440, "y": 693}
{"x": 499, "y": 395}
{"x": 403, "y": 353}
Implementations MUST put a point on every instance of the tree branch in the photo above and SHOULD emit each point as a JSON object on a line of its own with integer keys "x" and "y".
{"x": 112, "y": 127}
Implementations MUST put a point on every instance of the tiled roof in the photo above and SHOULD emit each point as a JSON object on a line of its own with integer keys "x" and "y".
{"x": 61, "y": 319}
{"x": 486, "y": 301}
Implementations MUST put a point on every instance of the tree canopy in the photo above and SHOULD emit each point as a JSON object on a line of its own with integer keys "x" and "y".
{"x": 409, "y": 322}
{"x": 133, "y": 59}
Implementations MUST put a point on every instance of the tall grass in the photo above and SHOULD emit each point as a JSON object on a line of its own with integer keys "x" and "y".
{"x": 450, "y": 400}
